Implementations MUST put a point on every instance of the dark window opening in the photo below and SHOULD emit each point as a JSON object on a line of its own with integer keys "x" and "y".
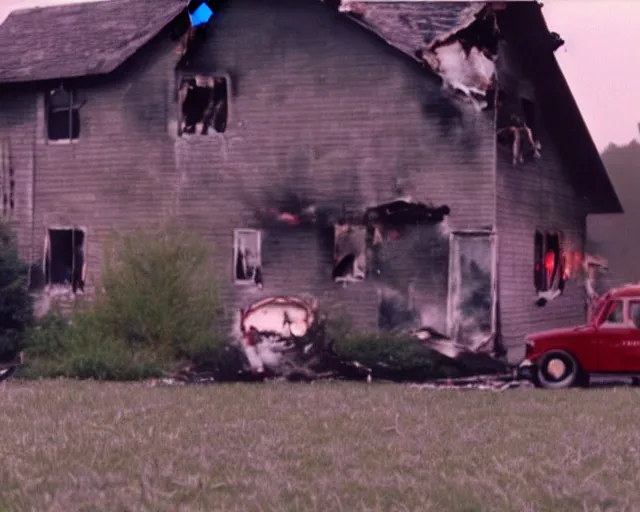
{"x": 63, "y": 115}
{"x": 64, "y": 261}
{"x": 548, "y": 262}
{"x": 203, "y": 104}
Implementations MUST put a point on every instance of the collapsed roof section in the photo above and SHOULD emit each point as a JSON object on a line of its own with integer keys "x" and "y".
{"x": 457, "y": 40}
{"x": 411, "y": 25}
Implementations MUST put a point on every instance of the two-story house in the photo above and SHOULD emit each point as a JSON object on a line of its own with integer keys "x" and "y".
{"x": 409, "y": 164}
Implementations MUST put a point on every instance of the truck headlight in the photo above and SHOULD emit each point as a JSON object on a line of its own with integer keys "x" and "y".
{"x": 529, "y": 343}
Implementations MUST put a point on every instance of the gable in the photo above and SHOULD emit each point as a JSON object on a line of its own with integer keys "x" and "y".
{"x": 525, "y": 29}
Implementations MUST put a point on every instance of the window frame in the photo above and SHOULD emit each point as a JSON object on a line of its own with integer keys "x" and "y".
{"x": 73, "y": 110}
{"x": 237, "y": 234}
{"x": 630, "y": 304}
{"x": 612, "y": 307}
{"x": 179, "y": 77}
{"x": 48, "y": 258}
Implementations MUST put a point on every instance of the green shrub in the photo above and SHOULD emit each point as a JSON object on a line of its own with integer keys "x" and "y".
{"x": 160, "y": 292}
{"x": 159, "y": 306}
{"x": 16, "y": 305}
{"x": 58, "y": 347}
{"x": 395, "y": 357}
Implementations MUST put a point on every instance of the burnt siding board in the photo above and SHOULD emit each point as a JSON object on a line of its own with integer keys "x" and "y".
{"x": 330, "y": 113}
{"x": 17, "y": 126}
{"x": 536, "y": 195}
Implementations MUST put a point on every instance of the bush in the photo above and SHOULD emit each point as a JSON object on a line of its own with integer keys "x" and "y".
{"x": 160, "y": 292}
{"x": 59, "y": 347}
{"x": 16, "y": 305}
{"x": 395, "y": 357}
{"x": 159, "y": 306}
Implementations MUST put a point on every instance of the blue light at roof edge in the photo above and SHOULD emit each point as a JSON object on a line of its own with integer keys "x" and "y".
{"x": 201, "y": 15}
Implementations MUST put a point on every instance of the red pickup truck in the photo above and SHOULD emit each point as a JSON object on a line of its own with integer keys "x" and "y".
{"x": 609, "y": 344}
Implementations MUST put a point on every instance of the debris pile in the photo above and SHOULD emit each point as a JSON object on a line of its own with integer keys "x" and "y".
{"x": 288, "y": 337}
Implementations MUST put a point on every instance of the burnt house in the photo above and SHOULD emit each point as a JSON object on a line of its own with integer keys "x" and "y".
{"x": 411, "y": 165}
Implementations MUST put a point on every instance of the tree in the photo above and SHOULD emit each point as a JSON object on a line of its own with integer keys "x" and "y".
{"x": 16, "y": 304}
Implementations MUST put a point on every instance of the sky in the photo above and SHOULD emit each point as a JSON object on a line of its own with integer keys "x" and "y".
{"x": 598, "y": 60}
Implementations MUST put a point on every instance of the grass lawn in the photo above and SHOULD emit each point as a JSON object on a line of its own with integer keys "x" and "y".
{"x": 70, "y": 446}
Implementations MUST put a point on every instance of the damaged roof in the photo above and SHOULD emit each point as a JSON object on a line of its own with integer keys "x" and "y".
{"x": 411, "y": 25}
{"x": 72, "y": 40}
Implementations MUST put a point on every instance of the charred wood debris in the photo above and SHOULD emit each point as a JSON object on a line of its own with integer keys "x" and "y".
{"x": 313, "y": 357}
{"x": 306, "y": 349}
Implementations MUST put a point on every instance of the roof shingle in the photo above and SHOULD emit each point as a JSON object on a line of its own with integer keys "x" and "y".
{"x": 410, "y": 26}
{"x": 66, "y": 41}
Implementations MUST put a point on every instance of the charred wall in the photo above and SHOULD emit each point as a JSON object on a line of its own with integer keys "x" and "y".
{"x": 535, "y": 195}
{"x": 326, "y": 113}
{"x": 320, "y": 110}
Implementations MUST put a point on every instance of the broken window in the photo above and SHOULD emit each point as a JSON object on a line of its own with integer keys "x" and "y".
{"x": 247, "y": 256}
{"x": 203, "y": 104}
{"x": 519, "y": 135}
{"x": 7, "y": 179}
{"x": 63, "y": 115}
{"x": 349, "y": 253}
{"x": 64, "y": 258}
{"x": 548, "y": 264}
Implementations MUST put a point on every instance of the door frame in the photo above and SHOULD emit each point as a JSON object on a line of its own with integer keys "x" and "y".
{"x": 493, "y": 239}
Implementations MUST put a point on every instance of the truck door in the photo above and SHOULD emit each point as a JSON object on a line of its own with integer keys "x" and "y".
{"x": 630, "y": 343}
{"x": 611, "y": 333}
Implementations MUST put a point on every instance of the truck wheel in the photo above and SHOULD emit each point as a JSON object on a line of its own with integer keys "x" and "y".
{"x": 558, "y": 370}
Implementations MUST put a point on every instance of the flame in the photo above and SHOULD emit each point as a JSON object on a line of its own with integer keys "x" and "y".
{"x": 572, "y": 263}
{"x": 549, "y": 261}
{"x": 289, "y": 218}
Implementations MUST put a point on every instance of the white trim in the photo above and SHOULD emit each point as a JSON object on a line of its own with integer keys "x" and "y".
{"x": 237, "y": 233}
{"x": 73, "y": 106}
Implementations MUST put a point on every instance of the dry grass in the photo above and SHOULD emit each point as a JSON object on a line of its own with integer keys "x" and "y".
{"x": 71, "y": 446}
